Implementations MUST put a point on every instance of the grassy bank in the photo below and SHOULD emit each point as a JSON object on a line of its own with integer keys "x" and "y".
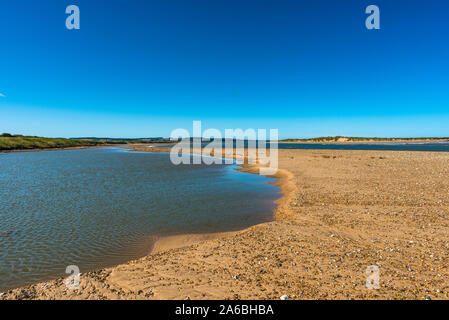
{"x": 17, "y": 142}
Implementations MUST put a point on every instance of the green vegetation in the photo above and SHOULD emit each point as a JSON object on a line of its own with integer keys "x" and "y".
{"x": 361, "y": 139}
{"x": 19, "y": 142}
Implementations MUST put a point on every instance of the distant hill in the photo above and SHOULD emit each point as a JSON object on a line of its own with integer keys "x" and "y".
{"x": 364, "y": 139}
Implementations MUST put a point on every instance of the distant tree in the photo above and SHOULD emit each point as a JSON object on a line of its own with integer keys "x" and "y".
{"x": 6, "y": 135}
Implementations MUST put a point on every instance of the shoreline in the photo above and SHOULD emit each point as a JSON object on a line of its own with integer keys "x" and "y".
{"x": 342, "y": 211}
{"x": 283, "y": 181}
{"x": 166, "y": 243}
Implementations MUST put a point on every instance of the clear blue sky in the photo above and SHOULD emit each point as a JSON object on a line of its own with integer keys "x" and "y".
{"x": 143, "y": 68}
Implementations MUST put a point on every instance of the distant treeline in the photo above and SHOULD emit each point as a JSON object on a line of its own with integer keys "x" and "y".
{"x": 19, "y": 142}
{"x": 360, "y": 139}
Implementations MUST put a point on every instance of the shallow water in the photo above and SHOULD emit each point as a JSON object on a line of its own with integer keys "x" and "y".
{"x": 99, "y": 207}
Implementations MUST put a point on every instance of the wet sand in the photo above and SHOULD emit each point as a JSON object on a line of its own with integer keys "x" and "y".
{"x": 341, "y": 212}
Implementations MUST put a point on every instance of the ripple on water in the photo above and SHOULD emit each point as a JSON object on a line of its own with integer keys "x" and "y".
{"x": 99, "y": 207}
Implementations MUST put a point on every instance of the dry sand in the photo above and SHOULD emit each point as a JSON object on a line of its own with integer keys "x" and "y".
{"x": 342, "y": 211}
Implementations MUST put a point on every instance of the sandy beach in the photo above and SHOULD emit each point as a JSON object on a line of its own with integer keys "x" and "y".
{"x": 341, "y": 212}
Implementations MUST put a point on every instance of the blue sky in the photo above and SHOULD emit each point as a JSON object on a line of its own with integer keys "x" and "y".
{"x": 144, "y": 68}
